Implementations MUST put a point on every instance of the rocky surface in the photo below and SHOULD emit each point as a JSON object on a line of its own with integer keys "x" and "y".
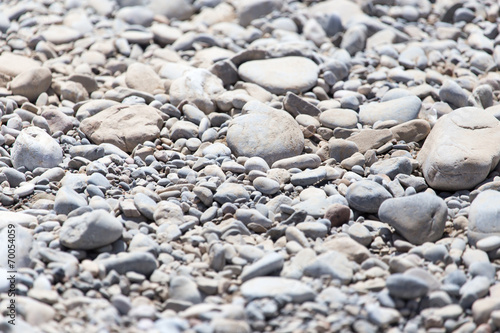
{"x": 250, "y": 165}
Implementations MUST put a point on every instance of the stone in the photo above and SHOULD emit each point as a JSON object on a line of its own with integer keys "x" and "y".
{"x": 178, "y": 9}
{"x": 142, "y": 77}
{"x": 484, "y": 216}
{"x": 185, "y": 289}
{"x": 139, "y": 262}
{"x": 341, "y": 149}
{"x": 90, "y": 231}
{"x": 401, "y": 110}
{"x": 461, "y": 150}
{"x": 58, "y": 121}
{"x": 411, "y": 131}
{"x": 268, "y": 264}
{"x": 343, "y": 118}
{"x": 419, "y": 218}
{"x": 368, "y": 139}
{"x": 264, "y": 132}
{"x": 349, "y": 247}
{"x": 253, "y": 216}
{"x": 302, "y": 162}
{"x": 67, "y": 200}
{"x": 32, "y": 83}
{"x": 331, "y": 263}
{"x": 280, "y": 75}
{"x": 229, "y": 192}
{"x": 317, "y": 207}
{"x": 248, "y": 11}
{"x": 392, "y": 167}
{"x": 308, "y": 177}
{"x": 136, "y": 15}
{"x": 266, "y": 185}
{"x": 406, "y": 286}
{"x": 453, "y": 94}
{"x": 366, "y": 196}
{"x": 297, "y": 106}
{"x": 275, "y": 287}
{"x": 337, "y": 214}
{"x": 13, "y": 64}
{"x": 199, "y": 87}
{"x": 34, "y": 148}
{"x": 123, "y": 126}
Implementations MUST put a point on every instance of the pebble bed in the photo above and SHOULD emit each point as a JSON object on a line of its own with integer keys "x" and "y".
{"x": 234, "y": 166}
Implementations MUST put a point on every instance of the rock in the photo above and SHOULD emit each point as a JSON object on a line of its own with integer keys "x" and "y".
{"x": 484, "y": 216}
{"x": 337, "y": 214}
{"x": 419, "y": 218}
{"x": 142, "y": 77}
{"x": 229, "y": 192}
{"x": 280, "y": 75}
{"x": 406, "y": 286}
{"x": 297, "y": 106}
{"x": 341, "y": 149}
{"x": 331, "y": 263}
{"x": 366, "y": 196}
{"x": 67, "y": 200}
{"x": 23, "y": 240}
{"x": 250, "y": 10}
{"x": 461, "y": 150}
{"x": 14, "y": 177}
{"x": 185, "y": 289}
{"x": 57, "y": 120}
{"x": 269, "y": 263}
{"x": 90, "y": 231}
{"x": 311, "y": 161}
{"x": 35, "y": 148}
{"x": 136, "y": 15}
{"x": 453, "y": 94}
{"x": 123, "y": 126}
{"x": 60, "y": 34}
{"x": 411, "y": 131}
{"x": 32, "y": 83}
{"x": 308, "y": 177}
{"x": 482, "y": 309}
{"x": 349, "y": 247}
{"x": 317, "y": 207}
{"x": 401, "y": 110}
{"x": 139, "y": 262}
{"x": 368, "y": 139}
{"x": 392, "y": 167}
{"x": 343, "y": 118}
{"x": 266, "y": 185}
{"x": 265, "y": 132}
{"x": 199, "y": 87}
{"x": 13, "y": 64}
{"x": 178, "y": 9}
{"x": 274, "y": 287}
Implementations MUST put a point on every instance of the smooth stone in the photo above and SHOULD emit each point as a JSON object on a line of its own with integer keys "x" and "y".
{"x": 145, "y": 205}
{"x": 268, "y": 264}
{"x": 489, "y": 243}
{"x": 14, "y": 177}
{"x": 419, "y": 218}
{"x": 331, "y": 263}
{"x": 12, "y": 64}
{"x": 34, "y": 148}
{"x": 32, "y": 83}
{"x": 313, "y": 229}
{"x": 473, "y": 290}
{"x": 483, "y": 308}
{"x": 366, "y": 196}
{"x": 402, "y": 110}
{"x": 185, "y": 289}
{"x": 406, "y": 286}
{"x": 484, "y": 216}
{"x": 229, "y": 192}
{"x": 266, "y": 185}
{"x": 67, "y": 200}
{"x": 199, "y": 87}
{"x": 297, "y": 106}
{"x": 311, "y": 161}
{"x": 349, "y": 247}
{"x": 142, "y": 77}
{"x": 275, "y": 287}
{"x": 253, "y": 216}
{"x": 90, "y": 231}
{"x": 280, "y": 75}
{"x": 317, "y": 207}
{"x": 139, "y": 262}
{"x": 453, "y": 94}
{"x": 392, "y": 167}
{"x": 341, "y": 149}
{"x": 461, "y": 150}
{"x": 411, "y": 131}
{"x": 248, "y": 11}
{"x": 343, "y": 118}
{"x": 368, "y": 139}
{"x": 123, "y": 126}
{"x": 337, "y": 214}
{"x": 60, "y": 34}
{"x": 308, "y": 177}
{"x": 265, "y": 132}
{"x": 58, "y": 121}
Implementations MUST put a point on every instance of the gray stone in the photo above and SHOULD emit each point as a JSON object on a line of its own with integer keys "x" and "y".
{"x": 343, "y": 118}
{"x": 484, "y": 216}
{"x": 268, "y": 264}
{"x": 406, "y": 286}
{"x": 139, "y": 262}
{"x": 253, "y": 216}
{"x": 308, "y": 177}
{"x": 401, "y": 110}
{"x": 275, "y": 287}
{"x": 331, "y": 263}
{"x": 250, "y": 10}
{"x": 35, "y": 148}
{"x": 90, "y": 231}
{"x": 461, "y": 150}
{"x": 392, "y": 167}
{"x": 68, "y": 200}
{"x": 266, "y": 185}
{"x": 341, "y": 149}
{"x": 229, "y": 192}
{"x": 302, "y": 162}
{"x": 265, "y": 132}
{"x": 366, "y": 196}
{"x": 297, "y": 106}
{"x": 185, "y": 289}
{"x": 419, "y": 218}
{"x": 453, "y": 94}
{"x": 32, "y": 83}
{"x": 473, "y": 290}
{"x": 280, "y": 75}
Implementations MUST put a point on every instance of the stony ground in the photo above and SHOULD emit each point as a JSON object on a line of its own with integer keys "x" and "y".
{"x": 250, "y": 165}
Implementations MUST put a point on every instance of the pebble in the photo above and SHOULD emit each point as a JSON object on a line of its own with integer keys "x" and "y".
{"x": 35, "y": 148}
{"x": 419, "y": 218}
{"x": 483, "y": 215}
{"x": 366, "y": 196}
{"x": 274, "y": 287}
{"x": 401, "y": 110}
{"x": 343, "y": 118}
{"x": 406, "y": 286}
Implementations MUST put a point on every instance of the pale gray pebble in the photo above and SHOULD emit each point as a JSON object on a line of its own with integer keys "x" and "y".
{"x": 392, "y": 167}
{"x": 274, "y": 287}
{"x": 266, "y": 185}
{"x": 269, "y": 263}
{"x": 473, "y": 290}
{"x": 406, "y": 286}
{"x": 308, "y": 177}
{"x": 229, "y": 192}
{"x": 366, "y": 196}
{"x": 139, "y": 262}
{"x": 67, "y": 200}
